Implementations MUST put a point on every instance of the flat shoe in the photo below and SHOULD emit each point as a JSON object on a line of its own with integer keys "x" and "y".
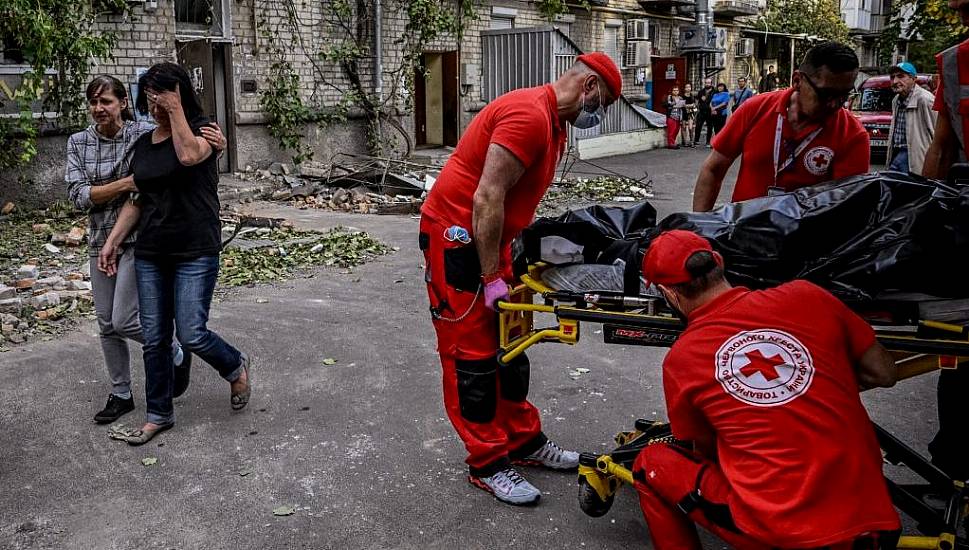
{"x": 241, "y": 399}
{"x": 140, "y": 437}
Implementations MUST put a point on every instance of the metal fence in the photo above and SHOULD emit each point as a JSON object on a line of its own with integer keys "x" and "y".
{"x": 520, "y": 58}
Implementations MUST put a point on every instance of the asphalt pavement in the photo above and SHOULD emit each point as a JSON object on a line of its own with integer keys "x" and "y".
{"x": 361, "y": 449}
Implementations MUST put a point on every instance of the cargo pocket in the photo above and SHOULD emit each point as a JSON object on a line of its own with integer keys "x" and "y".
{"x": 462, "y": 270}
{"x": 514, "y": 379}
{"x": 477, "y": 389}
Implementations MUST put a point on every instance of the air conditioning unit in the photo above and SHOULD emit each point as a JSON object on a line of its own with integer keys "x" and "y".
{"x": 716, "y": 60}
{"x": 721, "y": 43}
{"x": 638, "y": 53}
{"x": 745, "y": 47}
{"x": 637, "y": 29}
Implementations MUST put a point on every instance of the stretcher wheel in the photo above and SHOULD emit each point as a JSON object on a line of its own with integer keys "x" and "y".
{"x": 589, "y": 500}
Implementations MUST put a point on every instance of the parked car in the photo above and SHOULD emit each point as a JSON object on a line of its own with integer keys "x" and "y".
{"x": 873, "y": 107}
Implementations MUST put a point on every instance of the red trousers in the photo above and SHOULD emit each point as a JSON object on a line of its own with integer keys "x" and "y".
{"x": 666, "y": 475}
{"x": 672, "y": 130}
{"x": 668, "y": 478}
{"x": 487, "y": 405}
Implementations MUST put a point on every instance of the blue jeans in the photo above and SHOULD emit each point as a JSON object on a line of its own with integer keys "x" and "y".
{"x": 179, "y": 291}
{"x": 900, "y": 161}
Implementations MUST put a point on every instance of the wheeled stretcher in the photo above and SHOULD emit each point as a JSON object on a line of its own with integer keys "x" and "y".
{"x": 918, "y": 349}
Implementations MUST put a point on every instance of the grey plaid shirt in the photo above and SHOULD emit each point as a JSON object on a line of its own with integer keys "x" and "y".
{"x": 899, "y": 140}
{"x": 93, "y": 159}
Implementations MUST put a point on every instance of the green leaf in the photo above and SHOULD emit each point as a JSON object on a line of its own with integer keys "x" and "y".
{"x": 149, "y": 461}
{"x": 284, "y": 511}
{"x": 329, "y": 361}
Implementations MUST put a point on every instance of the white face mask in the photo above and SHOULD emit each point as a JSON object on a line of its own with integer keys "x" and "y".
{"x": 590, "y": 117}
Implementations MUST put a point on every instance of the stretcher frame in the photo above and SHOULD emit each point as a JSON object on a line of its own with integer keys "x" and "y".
{"x": 933, "y": 346}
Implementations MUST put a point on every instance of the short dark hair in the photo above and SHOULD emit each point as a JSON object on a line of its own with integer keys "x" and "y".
{"x": 837, "y": 57}
{"x": 706, "y": 273}
{"x": 116, "y": 87}
{"x": 164, "y": 77}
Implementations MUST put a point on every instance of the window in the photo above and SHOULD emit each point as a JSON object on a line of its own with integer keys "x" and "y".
{"x": 498, "y": 23}
{"x": 611, "y": 45}
{"x": 198, "y": 17}
{"x": 10, "y": 53}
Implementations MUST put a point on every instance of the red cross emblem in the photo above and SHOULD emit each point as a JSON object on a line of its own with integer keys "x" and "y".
{"x": 818, "y": 160}
{"x": 766, "y": 366}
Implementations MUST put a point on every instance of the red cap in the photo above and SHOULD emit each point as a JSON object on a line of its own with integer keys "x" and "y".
{"x": 606, "y": 68}
{"x": 665, "y": 260}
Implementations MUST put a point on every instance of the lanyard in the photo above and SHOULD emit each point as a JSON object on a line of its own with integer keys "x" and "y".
{"x": 780, "y": 167}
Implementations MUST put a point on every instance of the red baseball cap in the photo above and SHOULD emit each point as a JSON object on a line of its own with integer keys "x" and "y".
{"x": 606, "y": 68}
{"x": 665, "y": 260}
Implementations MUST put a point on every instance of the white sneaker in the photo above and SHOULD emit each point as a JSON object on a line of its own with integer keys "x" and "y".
{"x": 551, "y": 456}
{"x": 508, "y": 486}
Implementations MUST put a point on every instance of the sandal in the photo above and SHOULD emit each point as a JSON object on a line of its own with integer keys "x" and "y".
{"x": 239, "y": 400}
{"x": 140, "y": 437}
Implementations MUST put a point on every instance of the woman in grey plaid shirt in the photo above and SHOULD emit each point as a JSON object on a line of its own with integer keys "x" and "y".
{"x": 99, "y": 181}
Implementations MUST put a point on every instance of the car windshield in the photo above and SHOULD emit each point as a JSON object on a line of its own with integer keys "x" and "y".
{"x": 873, "y": 100}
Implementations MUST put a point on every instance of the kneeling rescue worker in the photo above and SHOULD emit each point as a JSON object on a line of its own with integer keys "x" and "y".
{"x": 764, "y": 385}
{"x": 487, "y": 193}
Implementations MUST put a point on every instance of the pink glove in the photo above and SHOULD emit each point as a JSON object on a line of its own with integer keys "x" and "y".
{"x": 494, "y": 291}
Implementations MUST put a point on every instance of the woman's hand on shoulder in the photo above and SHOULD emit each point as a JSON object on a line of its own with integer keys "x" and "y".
{"x": 213, "y": 134}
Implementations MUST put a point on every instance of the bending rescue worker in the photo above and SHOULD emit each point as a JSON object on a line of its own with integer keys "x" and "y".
{"x": 798, "y": 136}
{"x": 487, "y": 193}
{"x": 764, "y": 387}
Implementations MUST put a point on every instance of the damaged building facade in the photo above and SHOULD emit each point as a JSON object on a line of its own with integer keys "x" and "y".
{"x": 230, "y": 48}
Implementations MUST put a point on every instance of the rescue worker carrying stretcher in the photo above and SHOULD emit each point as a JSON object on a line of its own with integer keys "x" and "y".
{"x": 764, "y": 387}
{"x": 791, "y": 138}
{"x": 486, "y": 194}
{"x": 950, "y": 145}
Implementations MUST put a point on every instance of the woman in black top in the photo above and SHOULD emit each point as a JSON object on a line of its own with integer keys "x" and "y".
{"x": 179, "y": 240}
{"x": 689, "y": 116}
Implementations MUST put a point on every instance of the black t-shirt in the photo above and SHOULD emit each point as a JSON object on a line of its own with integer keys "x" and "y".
{"x": 179, "y": 204}
{"x": 705, "y": 97}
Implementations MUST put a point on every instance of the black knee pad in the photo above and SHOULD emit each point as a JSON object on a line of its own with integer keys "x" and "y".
{"x": 477, "y": 388}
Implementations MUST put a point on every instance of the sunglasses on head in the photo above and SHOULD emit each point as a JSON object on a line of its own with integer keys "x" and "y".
{"x": 827, "y": 95}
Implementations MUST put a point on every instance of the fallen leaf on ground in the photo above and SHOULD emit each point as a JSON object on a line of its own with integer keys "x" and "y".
{"x": 329, "y": 361}
{"x": 149, "y": 461}
{"x": 284, "y": 511}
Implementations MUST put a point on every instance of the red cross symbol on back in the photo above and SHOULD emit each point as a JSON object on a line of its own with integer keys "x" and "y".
{"x": 820, "y": 160}
{"x": 766, "y": 366}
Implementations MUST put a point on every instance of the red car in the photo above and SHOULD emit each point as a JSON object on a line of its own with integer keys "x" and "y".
{"x": 873, "y": 107}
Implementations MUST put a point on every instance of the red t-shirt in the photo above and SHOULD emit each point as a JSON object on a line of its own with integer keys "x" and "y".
{"x": 838, "y": 151}
{"x": 769, "y": 376}
{"x": 526, "y": 123}
{"x": 940, "y": 105}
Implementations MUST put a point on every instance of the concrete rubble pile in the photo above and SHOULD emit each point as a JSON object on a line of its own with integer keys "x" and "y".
{"x": 362, "y": 185}
{"x": 49, "y": 285}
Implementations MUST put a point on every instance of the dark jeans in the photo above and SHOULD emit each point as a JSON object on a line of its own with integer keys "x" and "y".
{"x": 703, "y": 118}
{"x": 719, "y": 121}
{"x": 179, "y": 291}
{"x": 900, "y": 161}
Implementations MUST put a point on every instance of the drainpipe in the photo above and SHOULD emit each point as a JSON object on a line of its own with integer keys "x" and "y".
{"x": 704, "y": 20}
{"x": 378, "y": 65}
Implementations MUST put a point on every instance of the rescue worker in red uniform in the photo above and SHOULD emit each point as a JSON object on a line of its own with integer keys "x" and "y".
{"x": 486, "y": 194}
{"x": 791, "y": 138}
{"x": 950, "y": 447}
{"x": 764, "y": 385}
